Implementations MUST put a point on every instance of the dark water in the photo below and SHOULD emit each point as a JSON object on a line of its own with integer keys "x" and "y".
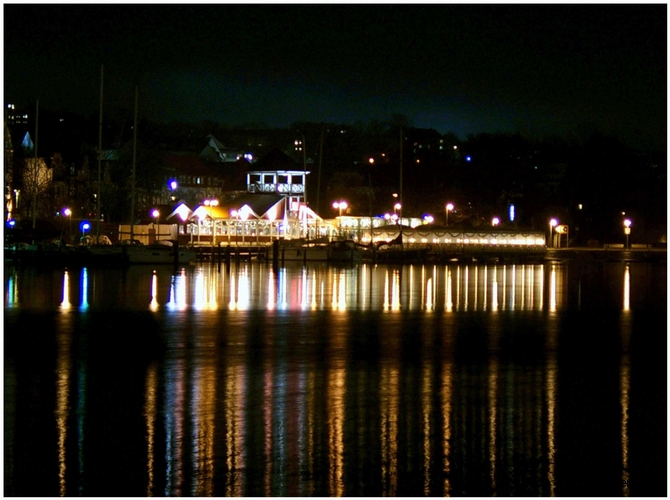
{"x": 375, "y": 381}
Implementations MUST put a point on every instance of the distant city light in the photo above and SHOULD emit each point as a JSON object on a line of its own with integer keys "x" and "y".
{"x": 468, "y": 158}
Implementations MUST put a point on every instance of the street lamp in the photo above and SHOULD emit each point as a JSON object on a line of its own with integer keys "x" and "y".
{"x": 340, "y": 205}
{"x": 449, "y": 207}
{"x": 173, "y": 187}
{"x": 396, "y": 210}
{"x": 68, "y": 213}
{"x": 627, "y": 223}
{"x": 155, "y": 214}
{"x": 552, "y": 224}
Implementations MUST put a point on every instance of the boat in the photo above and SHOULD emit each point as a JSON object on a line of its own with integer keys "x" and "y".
{"x": 301, "y": 250}
{"x": 161, "y": 252}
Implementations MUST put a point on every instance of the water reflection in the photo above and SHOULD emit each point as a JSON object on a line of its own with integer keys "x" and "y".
{"x": 318, "y": 381}
{"x": 255, "y": 286}
{"x": 624, "y": 383}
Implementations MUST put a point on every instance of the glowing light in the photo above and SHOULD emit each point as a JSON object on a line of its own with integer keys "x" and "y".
{"x": 65, "y": 304}
{"x": 183, "y": 211}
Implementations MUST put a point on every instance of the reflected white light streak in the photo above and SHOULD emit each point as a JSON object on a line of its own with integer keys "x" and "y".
{"x": 386, "y": 291}
{"x": 486, "y": 288}
{"x": 84, "y": 289}
{"x": 429, "y": 294}
{"x": 446, "y": 431}
{"x": 243, "y": 290}
{"x": 466, "y": 288}
{"x": 626, "y": 288}
{"x": 458, "y": 287}
{"x": 343, "y": 292}
{"x": 272, "y": 298}
{"x": 395, "y": 294}
{"x": 150, "y": 396}
{"x": 336, "y": 418}
{"x": 304, "y": 290}
{"x": 268, "y": 395}
{"x": 476, "y": 304}
{"x": 513, "y": 294}
{"x": 551, "y": 391}
{"x": 177, "y": 298}
{"x": 389, "y": 429}
{"x": 449, "y": 287}
{"x": 65, "y": 304}
{"x": 334, "y": 295}
{"x": 625, "y": 388}
{"x": 552, "y": 288}
{"x": 153, "y": 305}
{"x": 624, "y": 397}
{"x": 523, "y": 288}
{"x": 540, "y": 280}
{"x": 493, "y": 415}
{"x": 63, "y": 371}
{"x": 494, "y": 292}
{"x": 232, "y": 304}
{"x": 504, "y": 287}
{"x": 234, "y": 429}
{"x": 314, "y": 304}
{"x": 427, "y": 408}
{"x": 282, "y": 300}
{"x": 200, "y": 291}
{"x": 174, "y": 427}
{"x": 410, "y": 303}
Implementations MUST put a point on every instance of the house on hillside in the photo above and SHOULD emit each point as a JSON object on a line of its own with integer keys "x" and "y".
{"x": 192, "y": 179}
{"x": 216, "y": 152}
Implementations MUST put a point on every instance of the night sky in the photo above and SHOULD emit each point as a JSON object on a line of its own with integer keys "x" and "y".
{"x": 538, "y": 69}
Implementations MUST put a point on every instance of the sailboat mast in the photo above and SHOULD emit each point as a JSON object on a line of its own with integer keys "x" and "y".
{"x": 35, "y": 178}
{"x": 318, "y": 183}
{"x": 400, "y": 190}
{"x": 99, "y": 155}
{"x": 132, "y": 180}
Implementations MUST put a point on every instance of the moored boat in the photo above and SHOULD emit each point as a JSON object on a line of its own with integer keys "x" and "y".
{"x": 316, "y": 251}
{"x": 162, "y": 252}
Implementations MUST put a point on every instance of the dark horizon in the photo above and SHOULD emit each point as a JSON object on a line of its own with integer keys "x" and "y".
{"x": 566, "y": 70}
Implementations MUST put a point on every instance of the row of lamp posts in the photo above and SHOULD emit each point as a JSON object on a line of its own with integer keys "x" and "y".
{"x": 563, "y": 229}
